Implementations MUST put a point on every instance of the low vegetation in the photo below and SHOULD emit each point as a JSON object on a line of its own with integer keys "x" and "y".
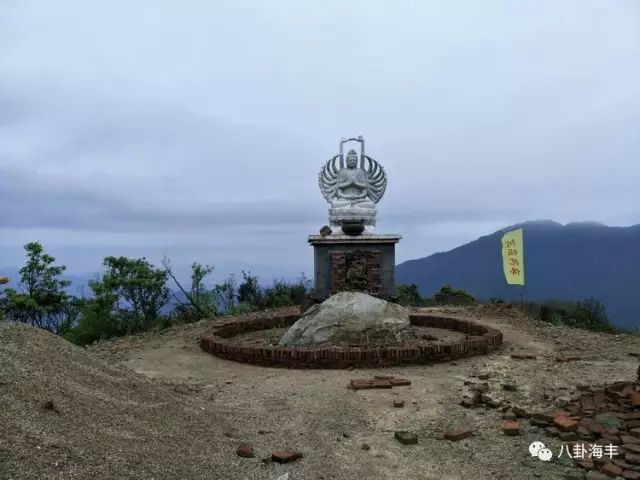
{"x": 132, "y": 295}
{"x": 588, "y": 314}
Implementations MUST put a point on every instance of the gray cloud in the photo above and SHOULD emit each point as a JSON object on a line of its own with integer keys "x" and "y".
{"x": 205, "y": 126}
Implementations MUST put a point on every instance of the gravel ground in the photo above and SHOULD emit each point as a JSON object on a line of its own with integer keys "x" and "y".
{"x": 154, "y": 406}
{"x": 412, "y": 336}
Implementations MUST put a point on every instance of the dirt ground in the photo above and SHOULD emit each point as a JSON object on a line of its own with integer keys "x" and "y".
{"x": 154, "y": 406}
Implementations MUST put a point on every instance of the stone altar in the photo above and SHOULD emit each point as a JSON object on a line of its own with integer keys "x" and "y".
{"x": 349, "y": 254}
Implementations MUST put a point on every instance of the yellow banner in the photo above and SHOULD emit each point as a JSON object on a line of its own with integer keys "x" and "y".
{"x": 513, "y": 257}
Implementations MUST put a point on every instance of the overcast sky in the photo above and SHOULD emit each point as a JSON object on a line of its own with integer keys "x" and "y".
{"x": 197, "y": 128}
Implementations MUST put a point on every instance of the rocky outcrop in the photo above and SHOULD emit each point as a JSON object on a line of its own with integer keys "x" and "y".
{"x": 346, "y": 317}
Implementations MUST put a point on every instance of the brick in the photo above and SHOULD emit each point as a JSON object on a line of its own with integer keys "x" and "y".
{"x": 630, "y": 475}
{"x": 611, "y": 469}
{"x": 632, "y": 458}
{"x": 459, "y": 434}
{"x": 285, "y": 456}
{"x": 245, "y": 451}
{"x": 564, "y": 423}
{"x": 519, "y": 356}
{"x": 596, "y": 428}
{"x": 361, "y": 384}
{"x": 629, "y": 439}
{"x": 383, "y": 377}
{"x": 635, "y": 399}
{"x": 572, "y": 358}
{"x": 398, "y": 403}
{"x": 406, "y": 438}
{"x": 631, "y": 447}
{"x": 400, "y": 382}
{"x": 568, "y": 436}
{"x": 631, "y": 416}
{"x": 381, "y": 383}
{"x": 511, "y": 427}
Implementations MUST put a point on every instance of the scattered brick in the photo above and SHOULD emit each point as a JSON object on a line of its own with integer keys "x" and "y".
{"x": 631, "y": 447}
{"x": 400, "y": 382}
{"x": 383, "y": 377}
{"x": 596, "y": 428}
{"x": 553, "y": 431}
{"x": 381, "y": 383}
{"x": 564, "y": 423}
{"x": 519, "y": 356}
{"x": 398, "y": 403}
{"x": 632, "y": 458}
{"x": 458, "y": 434}
{"x": 629, "y": 439}
{"x": 285, "y": 456}
{"x": 361, "y": 384}
{"x": 611, "y": 469}
{"x": 406, "y": 438}
{"x": 568, "y": 436}
{"x": 511, "y": 427}
{"x": 572, "y": 358}
{"x": 245, "y": 451}
{"x": 483, "y": 376}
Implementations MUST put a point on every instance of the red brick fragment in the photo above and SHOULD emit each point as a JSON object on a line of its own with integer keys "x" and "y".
{"x": 400, "y": 382}
{"x": 381, "y": 383}
{"x": 631, "y": 447}
{"x": 511, "y": 427}
{"x": 458, "y": 434}
{"x": 519, "y": 356}
{"x": 611, "y": 469}
{"x": 245, "y": 451}
{"x": 361, "y": 383}
{"x": 564, "y": 423}
{"x": 632, "y": 458}
{"x": 285, "y": 456}
{"x": 572, "y": 358}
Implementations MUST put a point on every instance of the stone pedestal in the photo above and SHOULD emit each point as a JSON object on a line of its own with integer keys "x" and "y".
{"x": 363, "y": 263}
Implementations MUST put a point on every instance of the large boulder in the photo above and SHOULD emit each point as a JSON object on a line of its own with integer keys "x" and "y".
{"x": 347, "y": 317}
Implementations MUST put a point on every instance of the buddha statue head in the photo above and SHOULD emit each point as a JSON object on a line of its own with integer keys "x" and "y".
{"x": 352, "y": 159}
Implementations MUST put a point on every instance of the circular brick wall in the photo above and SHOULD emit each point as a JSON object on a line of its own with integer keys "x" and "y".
{"x": 219, "y": 342}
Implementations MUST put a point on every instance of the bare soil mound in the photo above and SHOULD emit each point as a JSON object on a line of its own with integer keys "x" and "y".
{"x": 64, "y": 413}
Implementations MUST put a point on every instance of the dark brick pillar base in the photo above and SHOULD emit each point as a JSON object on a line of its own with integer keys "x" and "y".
{"x": 359, "y": 270}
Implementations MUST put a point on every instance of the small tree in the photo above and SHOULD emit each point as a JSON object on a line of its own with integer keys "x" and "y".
{"x": 226, "y": 295}
{"x": 249, "y": 291}
{"x": 139, "y": 287}
{"x": 42, "y": 301}
{"x": 201, "y": 302}
{"x": 409, "y": 295}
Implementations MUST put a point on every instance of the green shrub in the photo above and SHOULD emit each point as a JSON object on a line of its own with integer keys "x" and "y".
{"x": 447, "y": 295}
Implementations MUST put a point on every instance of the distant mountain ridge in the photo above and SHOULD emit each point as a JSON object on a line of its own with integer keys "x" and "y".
{"x": 571, "y": 262}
